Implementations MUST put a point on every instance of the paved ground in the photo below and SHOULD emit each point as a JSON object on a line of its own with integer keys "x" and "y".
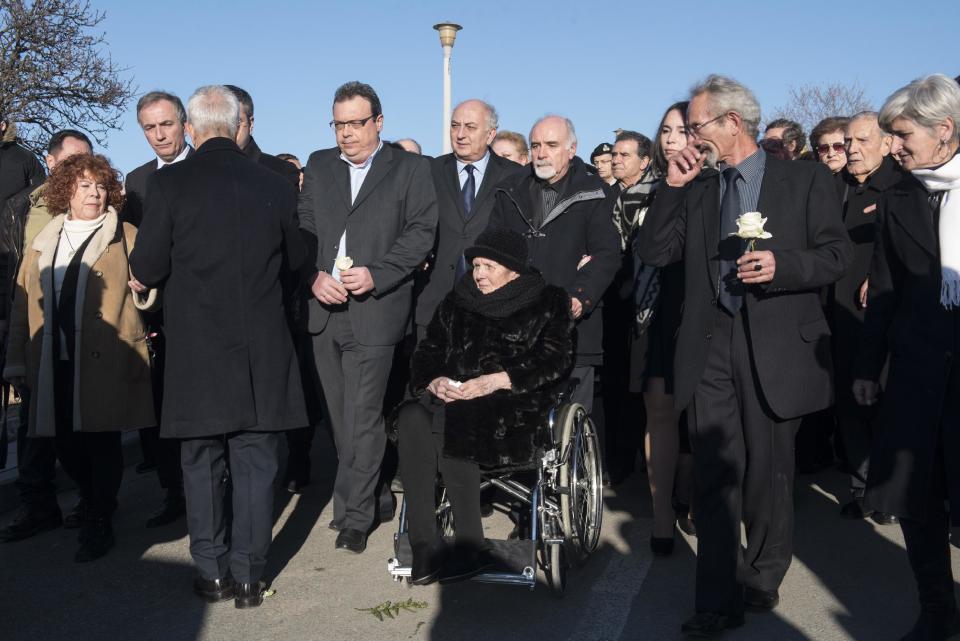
{"x": 849, "y": 580}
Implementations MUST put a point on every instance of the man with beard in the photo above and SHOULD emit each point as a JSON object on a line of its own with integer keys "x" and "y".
{"x": 746, "y": 314}
{"x": 563, "y": 210}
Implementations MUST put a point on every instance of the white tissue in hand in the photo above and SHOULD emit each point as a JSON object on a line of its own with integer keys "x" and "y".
{"x": 454, "y": 383}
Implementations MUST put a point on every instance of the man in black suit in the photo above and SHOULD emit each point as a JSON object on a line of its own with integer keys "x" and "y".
{"x": 373, "y": 210}
{"x": 465, "y": 182}
{"x": 162, "y": 118}
{"x": 300, "y": 439}
{"x": 746, "y": 316}
{"x": 217, "y": 233}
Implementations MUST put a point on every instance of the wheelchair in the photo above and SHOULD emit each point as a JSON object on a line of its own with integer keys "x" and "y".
{"x": 565, "y": 503}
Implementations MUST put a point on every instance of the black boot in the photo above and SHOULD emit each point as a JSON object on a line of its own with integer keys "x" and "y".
{"x": 928, "y": 550}
{"x": 96, "y": 539}
{"x": 29, "y": 522}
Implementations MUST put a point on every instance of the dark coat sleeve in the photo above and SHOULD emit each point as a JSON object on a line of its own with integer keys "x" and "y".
{"x": 307, "y": 222}
{"x": 415, "y": 239}
{"x": 603, "y": 246}
{"x": 551, "y": 358}
{"x": 660, "y": 239}
{"x": 433, "y": 352}
{"x": 829, "y": 252}
{"x": 295, "y": 251}
{"x": 150, "y": 259}
{"x": 884, "y": 296}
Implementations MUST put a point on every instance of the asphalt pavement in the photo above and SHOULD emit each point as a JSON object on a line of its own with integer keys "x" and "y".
{"x": 849, "y": 580}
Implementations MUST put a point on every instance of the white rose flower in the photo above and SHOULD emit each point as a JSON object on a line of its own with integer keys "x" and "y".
{"x": 343, "y": 262}
{"x": 750, "y": 226}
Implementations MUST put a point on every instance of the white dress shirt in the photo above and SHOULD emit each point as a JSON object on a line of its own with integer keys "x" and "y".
{"x": 161, "y": 163}
{"x": 358, "y": 173}
{"x": 479, "y": 169}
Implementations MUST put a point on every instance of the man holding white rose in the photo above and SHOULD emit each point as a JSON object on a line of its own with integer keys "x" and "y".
{"x": 758, "y": 239}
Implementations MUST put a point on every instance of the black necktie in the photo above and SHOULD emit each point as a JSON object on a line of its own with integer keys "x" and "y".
{"x": 731, "y": 247}
{"x": 469, "y": 191}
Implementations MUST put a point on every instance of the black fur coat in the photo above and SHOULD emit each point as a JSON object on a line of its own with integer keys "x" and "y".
{"x": 534, "y": 346}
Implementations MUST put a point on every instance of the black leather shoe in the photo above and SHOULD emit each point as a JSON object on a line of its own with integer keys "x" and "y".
{"x": 884, "y": 518}
{"x": 27, "y": 523}
{"x": 934, "y": 627}
{"x": 74, "y": 518}
{"x": 661, "y": 546}
{"x": 333, "y": 525}
{"x": 855, "y": 510}
{"x": 96, "y": 539}
{"x": 249, "y": 595}
{"x": 760, "y": 599}
{"x": 710, "y": 624}
{"x": 464, "y": 565}
{"x": 351, "y": 540}
{"x": 173, "y": 507}
{"x": 215, "y": 590}
{"x": 426, "y": 566}
{"x": 296, "y": 487}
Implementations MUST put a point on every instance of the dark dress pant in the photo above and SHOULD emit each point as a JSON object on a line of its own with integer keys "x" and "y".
{"x": 730, "y": 425}
{"x": 354, "y": 379}
{"x": 249, "y": 462}
{"x": 92, "y": 460}
{"x": 421, "y": 457}
{"x": 36, "y": 466}
{"x": 300, "y": 440}
{"x": 162, "y": 452}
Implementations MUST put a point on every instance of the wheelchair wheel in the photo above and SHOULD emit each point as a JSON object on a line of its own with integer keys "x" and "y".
{"x": 586, "y": 488}
{"x": 444, "y": 514}
{"x": 581, "y": 505}
{"x": 555, "y": 567}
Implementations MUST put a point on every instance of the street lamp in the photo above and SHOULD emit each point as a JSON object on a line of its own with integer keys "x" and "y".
{"x": 448, "y": 33}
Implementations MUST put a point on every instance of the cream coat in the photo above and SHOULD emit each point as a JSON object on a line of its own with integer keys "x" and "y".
{"x": 112, "y": 389}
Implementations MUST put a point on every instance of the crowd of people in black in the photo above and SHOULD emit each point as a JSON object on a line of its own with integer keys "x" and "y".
{"x": 722, "y": 298}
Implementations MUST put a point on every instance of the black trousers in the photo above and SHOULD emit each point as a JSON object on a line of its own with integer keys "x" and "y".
{"x": 730, "y": 425}
{"x": 354, "y": 379}
{"x": 300, "y": 440}
{"x": 421, "y": 457}
{"x": 36, "y": 466}
{"x": 251, "y": 458}
{"x": 92, "y": 460}
{"x": 856, "y": 434}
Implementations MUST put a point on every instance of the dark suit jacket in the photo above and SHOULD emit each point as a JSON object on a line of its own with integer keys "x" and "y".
{"x": 390, "y": 230}
{"x": 277, "y": 165}
{"x": 454, "y": 234}
{"x": 216, "y": 233}
{"x": 136, "y": 189}
{"x": 787, "y": 329}
{"x": 906, "y": 320}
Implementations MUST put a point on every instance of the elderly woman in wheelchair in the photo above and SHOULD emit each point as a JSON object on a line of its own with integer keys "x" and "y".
{"x": 483, "y": 375}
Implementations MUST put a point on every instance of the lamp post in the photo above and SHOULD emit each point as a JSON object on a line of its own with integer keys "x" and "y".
{"x": 448, "y": 33}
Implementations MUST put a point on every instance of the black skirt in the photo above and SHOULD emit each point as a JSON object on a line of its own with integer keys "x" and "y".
{"x": 652, "y": 351}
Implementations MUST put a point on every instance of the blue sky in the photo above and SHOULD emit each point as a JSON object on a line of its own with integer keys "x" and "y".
{"x": 605, "y": 65}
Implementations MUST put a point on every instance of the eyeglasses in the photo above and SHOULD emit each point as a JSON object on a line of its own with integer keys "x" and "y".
{"x": 836, "y": 146}
{"x": 695, "y": 128}
{"x": 338, "y": 125}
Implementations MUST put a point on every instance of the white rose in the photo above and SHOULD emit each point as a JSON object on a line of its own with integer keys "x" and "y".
{"x": 343, "y": 262}
{"x": 750, "y": 226}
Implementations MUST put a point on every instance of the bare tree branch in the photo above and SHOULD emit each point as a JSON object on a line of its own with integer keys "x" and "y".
{"x": 56, "y": 73}
{"x": 809, "y": 104}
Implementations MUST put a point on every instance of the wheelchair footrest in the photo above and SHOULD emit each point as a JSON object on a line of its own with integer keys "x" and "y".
{"x": 512, "y": 557}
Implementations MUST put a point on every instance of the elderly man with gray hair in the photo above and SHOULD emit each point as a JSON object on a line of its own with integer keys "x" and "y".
{"x": 218, "y": 229}
{"x": 751, "y": 306}
{"x": 563, "y": 210}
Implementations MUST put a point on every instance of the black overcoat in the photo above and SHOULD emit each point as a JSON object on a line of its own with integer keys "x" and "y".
{"x": 216, "y": 232}
{"x": 860, "y": 206}
{"x": 905, "y": 319}
{"x": 533, "y": 346}
{"x": 788, "y": 333}
{"x": 580, "y": 225}
{"x": 135, "y": 187}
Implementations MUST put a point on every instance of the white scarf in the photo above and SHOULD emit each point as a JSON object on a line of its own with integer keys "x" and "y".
{"x": 946, "y": 178}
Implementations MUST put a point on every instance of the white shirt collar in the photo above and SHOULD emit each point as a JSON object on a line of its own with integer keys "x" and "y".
{"x": 161, "y": 163}
{"x": 365, "y": 163}
{"x": 479, "y": 165}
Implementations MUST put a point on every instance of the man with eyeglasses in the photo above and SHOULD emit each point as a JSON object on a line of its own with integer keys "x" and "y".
{"x": 870, "y": 171}
{"x": 373, "y": 211}
{"x": 748, "y": 313}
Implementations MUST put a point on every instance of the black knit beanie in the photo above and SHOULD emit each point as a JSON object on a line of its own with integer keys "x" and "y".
{"x": 504, "y": 246}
